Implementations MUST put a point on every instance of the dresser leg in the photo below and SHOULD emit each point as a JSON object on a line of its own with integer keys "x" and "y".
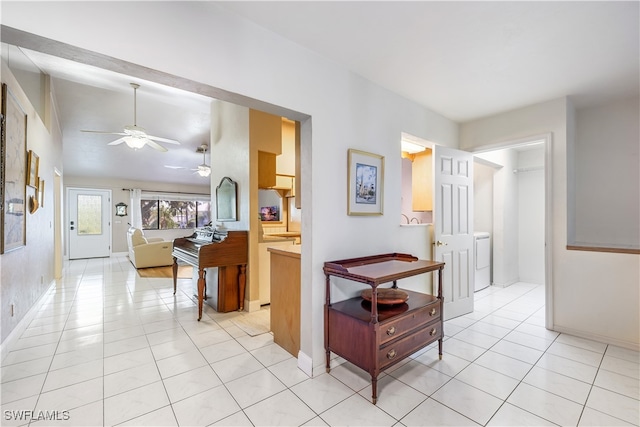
{"x": 440, "y": 349}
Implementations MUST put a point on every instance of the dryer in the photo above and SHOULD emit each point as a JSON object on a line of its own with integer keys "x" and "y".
{"x": 482, "y": 240}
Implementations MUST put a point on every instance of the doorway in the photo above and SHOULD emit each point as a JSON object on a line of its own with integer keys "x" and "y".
{"x": 512, "y": 203}
{"x": 89, "y": 224}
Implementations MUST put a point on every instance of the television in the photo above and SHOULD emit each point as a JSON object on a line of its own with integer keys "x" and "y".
{"x": 269, "y": 213}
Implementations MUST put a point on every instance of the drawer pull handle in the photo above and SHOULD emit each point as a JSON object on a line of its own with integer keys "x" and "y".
{"x": 433, "y": 312}
{"x": 391, "y": 331}
{"x": 391, "y": 354}
{"x": 433, "y": 332}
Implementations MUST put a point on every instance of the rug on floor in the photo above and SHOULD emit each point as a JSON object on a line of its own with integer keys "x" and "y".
{"x": 255, "y": 323}
{"x": 184, "y": 272}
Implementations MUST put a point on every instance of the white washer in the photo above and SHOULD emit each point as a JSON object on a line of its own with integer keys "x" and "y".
{"x": 483, "y": 259}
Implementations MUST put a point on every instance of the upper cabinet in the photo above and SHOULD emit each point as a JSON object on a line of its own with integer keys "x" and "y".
{"x": 265, "y": 132}
{"x": 276, "y": 140}
{"x": 422, "y": 181}
{"x": 266, "y": 169}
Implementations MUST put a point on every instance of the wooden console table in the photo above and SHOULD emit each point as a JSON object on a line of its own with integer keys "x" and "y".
{"x": 374, "y": 337}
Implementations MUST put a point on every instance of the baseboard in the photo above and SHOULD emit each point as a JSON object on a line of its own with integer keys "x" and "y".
{"x": 22, "y": 325}
{"x": 305, "y": 363}
{"x": 252, "y": 306}
{"x": 119, "y": 254}
{"x": 596, "y": 337}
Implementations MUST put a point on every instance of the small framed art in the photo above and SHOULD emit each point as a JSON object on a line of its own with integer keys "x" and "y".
{"x": 365, "y": 183}
{"x": 33, "y": 162}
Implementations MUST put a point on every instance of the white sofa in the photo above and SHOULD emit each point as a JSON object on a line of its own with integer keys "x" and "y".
{"x": 152, "y": 252}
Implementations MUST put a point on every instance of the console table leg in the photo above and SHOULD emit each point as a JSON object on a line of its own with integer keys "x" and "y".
{"x": 328, "y": 361}
{"x": 374, "y": 390}
{"x": 440, "y": 349}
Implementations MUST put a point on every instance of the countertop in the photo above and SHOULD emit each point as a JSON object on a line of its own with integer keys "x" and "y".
{"x": 290, "y": 250}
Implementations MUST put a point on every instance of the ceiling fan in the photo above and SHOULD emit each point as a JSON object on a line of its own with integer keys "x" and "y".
{"x": 204, "y": 170}
{"x": 133, "y": 135}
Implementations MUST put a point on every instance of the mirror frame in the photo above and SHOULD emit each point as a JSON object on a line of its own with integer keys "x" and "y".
{"x": 227, "y": 195}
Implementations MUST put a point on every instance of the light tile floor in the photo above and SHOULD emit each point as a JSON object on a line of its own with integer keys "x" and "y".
{"x": 110, "y": 348}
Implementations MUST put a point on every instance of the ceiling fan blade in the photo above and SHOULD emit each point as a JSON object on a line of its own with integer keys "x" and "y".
{"x": 166, "y": 140}
{"x": 117, "y": 141}
{"x": 103, "y": 132}
{"x": 155, "y": 145}
{"x": 174, "y": 167}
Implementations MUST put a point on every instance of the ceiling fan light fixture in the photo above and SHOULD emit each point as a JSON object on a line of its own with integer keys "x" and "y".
{"x": 204, "y": 170}
{"x": 135, "y": 143}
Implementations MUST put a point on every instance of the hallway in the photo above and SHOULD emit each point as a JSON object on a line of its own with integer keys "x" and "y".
{"x": 107, "y": 347}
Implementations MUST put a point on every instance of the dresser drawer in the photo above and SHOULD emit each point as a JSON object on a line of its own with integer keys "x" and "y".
{"x": 411, "y": 343}
{"x": 396, "y": 328}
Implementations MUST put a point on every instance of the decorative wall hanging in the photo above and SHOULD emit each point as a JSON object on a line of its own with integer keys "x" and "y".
{"x": 121, "y": 209}
{"x": 41, "y": 193}
{"x": 365, "y": 183}
{"x": 13, "y": 190}
{"x": 33, "y": 163}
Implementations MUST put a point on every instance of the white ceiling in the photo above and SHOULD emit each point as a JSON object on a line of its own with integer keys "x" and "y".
{"x": 467, "y": 60}
{"x": 463, "y": 60}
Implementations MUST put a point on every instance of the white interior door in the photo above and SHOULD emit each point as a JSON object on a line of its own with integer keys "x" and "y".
{"x": 89, "y": 225}
{"x": 453, "y": 227}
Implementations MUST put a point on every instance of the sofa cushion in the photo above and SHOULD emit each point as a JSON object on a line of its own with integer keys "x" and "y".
{"x": 137, "y": 238}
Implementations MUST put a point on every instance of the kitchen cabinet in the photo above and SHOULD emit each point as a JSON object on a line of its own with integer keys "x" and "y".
{"x": 285, "y": 297}
{"x": 375, "y": 337}
{"x": 422, "y": 181}
{"x": 266, "y": 169}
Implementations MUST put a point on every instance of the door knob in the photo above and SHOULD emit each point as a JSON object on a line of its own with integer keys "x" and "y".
{"x": 440, "y": 243}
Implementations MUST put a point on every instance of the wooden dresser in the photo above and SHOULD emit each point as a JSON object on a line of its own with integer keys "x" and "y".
{"x": 372, "y": 336}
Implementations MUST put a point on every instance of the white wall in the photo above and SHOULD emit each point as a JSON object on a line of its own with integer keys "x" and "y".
{"x": 530, "y": 179}
{"x": 607, "y": 154}
{"x": 504, "y": 239}
{"x": 207, "y": 44}
{"x": 26, "y": 272}
{"x": 483, "y": 197}
{"x": 593, "y": 294}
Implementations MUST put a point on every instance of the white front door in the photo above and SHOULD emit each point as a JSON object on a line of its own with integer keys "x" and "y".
{"x": 453, "y": 227}
{"x": 89, "y": 223}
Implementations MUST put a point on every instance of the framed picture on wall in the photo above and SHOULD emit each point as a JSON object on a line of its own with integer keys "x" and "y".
{"x": 365, "y": 183}
{"x": 33, "y": 162}
{"x": 41, "y": 193}
{"x": 13, "y": 150}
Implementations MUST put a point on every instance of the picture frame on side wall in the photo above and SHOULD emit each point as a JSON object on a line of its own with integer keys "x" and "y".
{"x": 365, "y": 183}
{"x": 41, "y": 193}
{"x": 33, "y": 163}
{"x": 13, "y": 191}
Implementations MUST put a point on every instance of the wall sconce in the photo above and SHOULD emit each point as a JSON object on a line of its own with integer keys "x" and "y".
{"x": 121, "y": 209}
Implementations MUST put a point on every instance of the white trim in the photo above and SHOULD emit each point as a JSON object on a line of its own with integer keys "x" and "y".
{"x": 599, "y": 338}
{"x": 305, "y": 364}
{"x": 547, "y": 139}
{"x": 22, "y": 325}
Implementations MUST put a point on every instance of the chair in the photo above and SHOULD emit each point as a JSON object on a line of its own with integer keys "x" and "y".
{"x": 148, "y": 252}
